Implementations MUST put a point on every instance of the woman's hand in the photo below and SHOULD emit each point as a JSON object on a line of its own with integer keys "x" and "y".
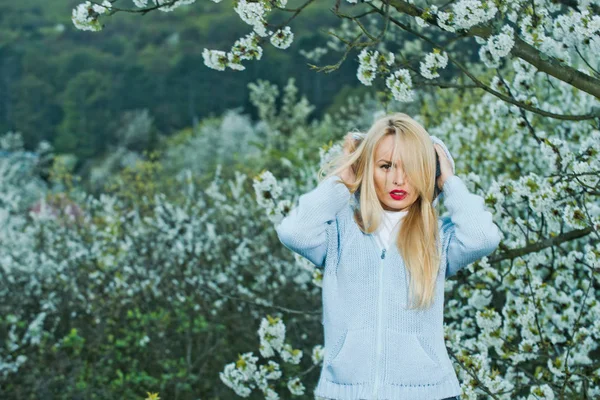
{"x": 350, "y": 143}
{"x": 445, "y": 166}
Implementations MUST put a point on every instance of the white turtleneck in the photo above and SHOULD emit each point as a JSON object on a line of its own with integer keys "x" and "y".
{"x": 388, "y": 229}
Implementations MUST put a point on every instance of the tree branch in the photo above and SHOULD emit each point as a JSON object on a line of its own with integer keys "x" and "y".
{"x": 489, "y": 89}
{"x": 535, "y": 247}
{"x": 522, "y": 50}
{"x": 573, "y": 4}
{"x": 296, "y": 11}
{"x": 446, "y": 85}
{"x": 280, "y": 308}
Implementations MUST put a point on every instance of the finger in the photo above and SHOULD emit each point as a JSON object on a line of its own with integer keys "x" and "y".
{"x": 440, "y": 151}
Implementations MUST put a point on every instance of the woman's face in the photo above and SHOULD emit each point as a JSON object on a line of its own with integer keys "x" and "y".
{"x": 389, "y": 178}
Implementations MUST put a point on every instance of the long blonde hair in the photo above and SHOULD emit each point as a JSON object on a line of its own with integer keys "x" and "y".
{"x": 418, "y": 237}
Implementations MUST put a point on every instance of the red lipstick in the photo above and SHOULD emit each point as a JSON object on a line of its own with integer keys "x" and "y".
{"x": 398, "y": 194}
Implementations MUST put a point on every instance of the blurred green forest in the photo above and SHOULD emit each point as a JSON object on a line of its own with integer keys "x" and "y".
{"x": 74, "y": 88}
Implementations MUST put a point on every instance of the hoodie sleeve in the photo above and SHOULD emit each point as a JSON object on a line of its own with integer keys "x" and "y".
{"x": 473, "y": 234}
{"x": 304, "y": 229}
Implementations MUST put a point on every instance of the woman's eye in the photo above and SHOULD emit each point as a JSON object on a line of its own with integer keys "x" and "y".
{"x": 386, "y": 166}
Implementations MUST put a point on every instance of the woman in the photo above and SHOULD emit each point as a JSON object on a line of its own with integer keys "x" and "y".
{"x": 372, "y": 225}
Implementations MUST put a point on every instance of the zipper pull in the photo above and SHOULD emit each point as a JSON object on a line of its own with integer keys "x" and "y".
{"x": 383, "y": 254}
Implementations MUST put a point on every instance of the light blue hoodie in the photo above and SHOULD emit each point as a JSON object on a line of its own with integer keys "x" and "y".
{"x": 374, "y": 347}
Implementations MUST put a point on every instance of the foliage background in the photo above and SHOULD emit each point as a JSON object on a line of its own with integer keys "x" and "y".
{"x": 72, "y": 89}
{"x": 137, "y": 250}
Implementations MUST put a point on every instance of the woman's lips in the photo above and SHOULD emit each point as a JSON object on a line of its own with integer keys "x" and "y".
{"x": 398, "y": 195}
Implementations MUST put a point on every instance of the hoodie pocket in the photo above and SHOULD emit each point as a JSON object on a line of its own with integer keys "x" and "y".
{"x": 412, "y": 360}
{"x": 351, "y": 360}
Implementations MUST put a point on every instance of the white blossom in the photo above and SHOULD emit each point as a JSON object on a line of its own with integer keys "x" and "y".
{"x": 282, "y": 38}
{"x": 367, "y": 68}
{"x": 236, "y": 378}
{"x": 365, "y": 75}
{"x": 143, "y": 341}
{"x": 541, "y": 392}
{"x": 444, "y": 21}
{"x": 270, "y": 394}
{"x": 253, "y": 14}
{"x": 421, "y": 22}
{"x": 576, "y": 28}
{"x": 488, "y": 320}
{"x": 433, "y": 61}
{"x": 368, "y": 58}
{"x": 295, "y": 386}
{"x": 272, "y": 370}
{"x": 267, "y": 190}
{"x": 389, "y": 59}
{"x": 247, "y": 48}
{"x": 400, "y": 83}
{"x": 291, "y": 355}
{"x": 234, "y": 62}
{"x": 318, "y": 353}
{"x": 215, "y": 59}
{"x": 85, "y": 17}
{"x": 102, "y": 8}
{"x": 468, "y": 13}
{"x": 35, "y": 329}
{"x": 497, "y": 47}
{"x": 167, "y": 8}
{"x": 272, "y": 336}
{"x": 575, "y": 217}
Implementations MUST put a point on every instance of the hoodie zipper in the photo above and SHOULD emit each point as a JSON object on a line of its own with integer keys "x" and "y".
{"x": 378, "y": 330}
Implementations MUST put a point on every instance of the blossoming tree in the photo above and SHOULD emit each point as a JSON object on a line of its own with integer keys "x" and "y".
{"x": 523, "y": 323}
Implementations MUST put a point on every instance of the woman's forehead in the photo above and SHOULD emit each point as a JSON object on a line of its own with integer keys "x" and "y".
{"x": 384, "y": 149}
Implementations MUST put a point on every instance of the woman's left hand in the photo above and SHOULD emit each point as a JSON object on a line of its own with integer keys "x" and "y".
{"x": 445, "y": 166}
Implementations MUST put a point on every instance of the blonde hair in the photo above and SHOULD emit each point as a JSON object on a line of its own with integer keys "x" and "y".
{"x": 418, "y": 237}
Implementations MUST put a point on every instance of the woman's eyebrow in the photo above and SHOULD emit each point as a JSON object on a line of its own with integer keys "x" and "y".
{"x": 384, "y": 160}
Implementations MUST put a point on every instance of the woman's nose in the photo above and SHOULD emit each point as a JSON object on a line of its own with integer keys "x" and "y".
{"x": 399, "y": 176}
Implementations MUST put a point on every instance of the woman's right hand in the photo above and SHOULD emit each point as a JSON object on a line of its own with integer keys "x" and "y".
{"x": 350, "y": 144}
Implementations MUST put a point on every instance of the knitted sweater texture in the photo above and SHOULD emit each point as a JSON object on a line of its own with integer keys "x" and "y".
{"x": 374, "y": 347}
